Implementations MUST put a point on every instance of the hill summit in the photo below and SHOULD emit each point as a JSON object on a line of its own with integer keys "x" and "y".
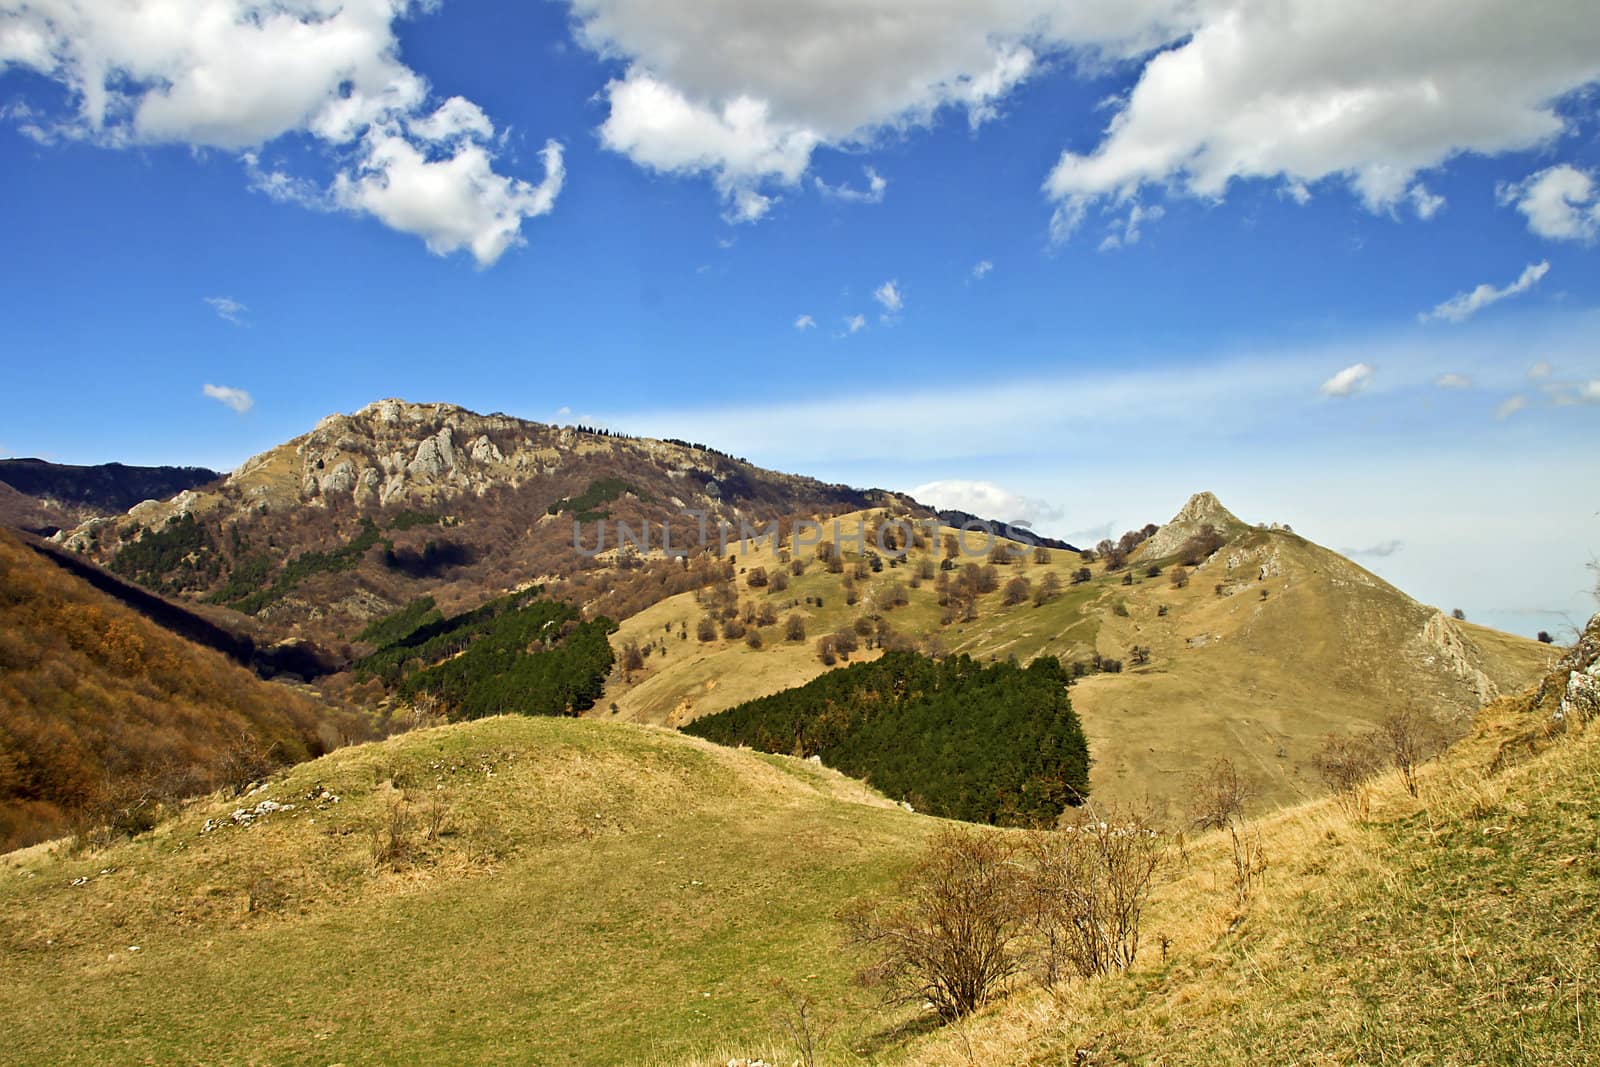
{"x": 1203, "y": 509}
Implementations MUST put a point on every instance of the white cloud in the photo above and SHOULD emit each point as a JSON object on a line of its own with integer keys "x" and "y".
{"x": 235, "y": 75}
{"x": 452, "y": 202}
{"x": 1510, "y": 406}
{"x": 805, "y": 322}
{"x": 855, "y": 323}
{"x": 1453, "y": 381}
{"x": 889, "y": 295}
{"x": 1348, "y": 382}
{"x": 1128, "y": 231}
{"x": 1367, "y": 93}
{"x": 1424, "y": 203}
{"x": 237, "y": 399}
{"x": 981, "y": 269}
{"x": 744, "y": 92}
{"x": 877, "y": 187}
{"x": 228, "y": 309}
{"x": 986, "y": 500}
{"x": 1560, "y": 202}
{"x": 1463, "y": 306}
{"x": 1590, "y": 391}
{"x": 1539, "y": 370}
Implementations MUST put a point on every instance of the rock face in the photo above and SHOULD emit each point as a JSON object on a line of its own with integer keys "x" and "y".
{"x": 1578, "y": 677}
{"x": 1456, "y": 653}
{"x": 1202, "y": 509}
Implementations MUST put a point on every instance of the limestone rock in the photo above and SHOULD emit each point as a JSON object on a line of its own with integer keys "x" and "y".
{"x": 1202, "y": 509}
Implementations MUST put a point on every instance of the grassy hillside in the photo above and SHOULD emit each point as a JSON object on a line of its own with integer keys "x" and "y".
{"x": 593, "y": 894}
{"x": 560, "y": 891}
{"x": 103, "y": 713}
{"x": 1272, "y": 644}
{"x": 1455, "y": 928}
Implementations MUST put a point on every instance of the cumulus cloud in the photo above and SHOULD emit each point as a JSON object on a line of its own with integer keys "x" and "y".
{"x": 744, "y": 93}
{"x": 237, "y": 399}
{"x": 453, "y": 202}
{"x": 227, "y": 309}
{"x": 1348, "y": 382}
{"x": 1365, "y": 93}
{"x": 889, "y": 295}
{"x": 1560, "y": 202}
{"x": 877, "y": 186}
{"x": 1453, "y": 381}
{"x": 855, "y": 323}
{"x": 1463, "y": 306}
{"x": 981, "y": 269}
{"x": 235, "y": 75}
{"x": 1510, "y": 406}
{"x": 805, "y": 322}
{"x": 986, "y": 500}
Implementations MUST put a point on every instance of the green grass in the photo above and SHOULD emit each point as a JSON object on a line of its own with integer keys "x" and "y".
{"x": 610, "y": 894}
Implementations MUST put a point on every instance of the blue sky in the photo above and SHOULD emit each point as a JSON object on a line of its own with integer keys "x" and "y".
{"x": 1114, "y": 252}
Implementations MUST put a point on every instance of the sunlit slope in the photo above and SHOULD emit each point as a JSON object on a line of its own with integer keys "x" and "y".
{"x": 1457, "y": 927}
{"x": 1298, "y": 642}
{"x": 593, "y": 893}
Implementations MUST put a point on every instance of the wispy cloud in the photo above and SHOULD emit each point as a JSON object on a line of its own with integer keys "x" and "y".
{"x": 889, "y": 295}
{"x": 1381, "y": 550}
{"x": 1453, "y": 381}
{"x": 1348, "y": 382}
{"x": 877, "y": 186}
{"x": 855, "y": 323}
{"x": 1540, "y": 371}
{"x": 1463, "y": 306}
{"x": 237, "y": 399}
{"x": 228, "y": 309}
{"x": 1510, "y": 406}
{"x": 981, "y": 269}
{"x": 805, "y": 322}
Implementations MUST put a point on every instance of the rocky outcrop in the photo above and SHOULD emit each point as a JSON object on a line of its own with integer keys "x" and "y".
{"x": 1203, "y": 509}
{"x": 1449, "y": 645}
{"x": 1575, "y": 683}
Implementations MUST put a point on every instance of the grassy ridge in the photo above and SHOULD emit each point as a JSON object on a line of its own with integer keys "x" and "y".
{"x": 597, "y": 894}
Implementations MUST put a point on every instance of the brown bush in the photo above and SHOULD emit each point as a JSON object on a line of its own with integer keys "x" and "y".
{"x": 954, "y": 934}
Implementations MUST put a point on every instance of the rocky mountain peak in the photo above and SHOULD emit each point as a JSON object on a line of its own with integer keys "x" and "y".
{"x": 1202, "y": 509}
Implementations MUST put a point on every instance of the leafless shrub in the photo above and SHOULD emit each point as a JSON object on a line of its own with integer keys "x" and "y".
{"x": 1346, "y": 764}
{"x": 1218, "y": 802}
{"x": 1408, "y": 738}
{"x": 436, "y": 814}
{"x": 953, "y": 935}
{"x": 799, "y": 1017}
{"x": 391, "y": 840}
{"x": 1086, "y": 886}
